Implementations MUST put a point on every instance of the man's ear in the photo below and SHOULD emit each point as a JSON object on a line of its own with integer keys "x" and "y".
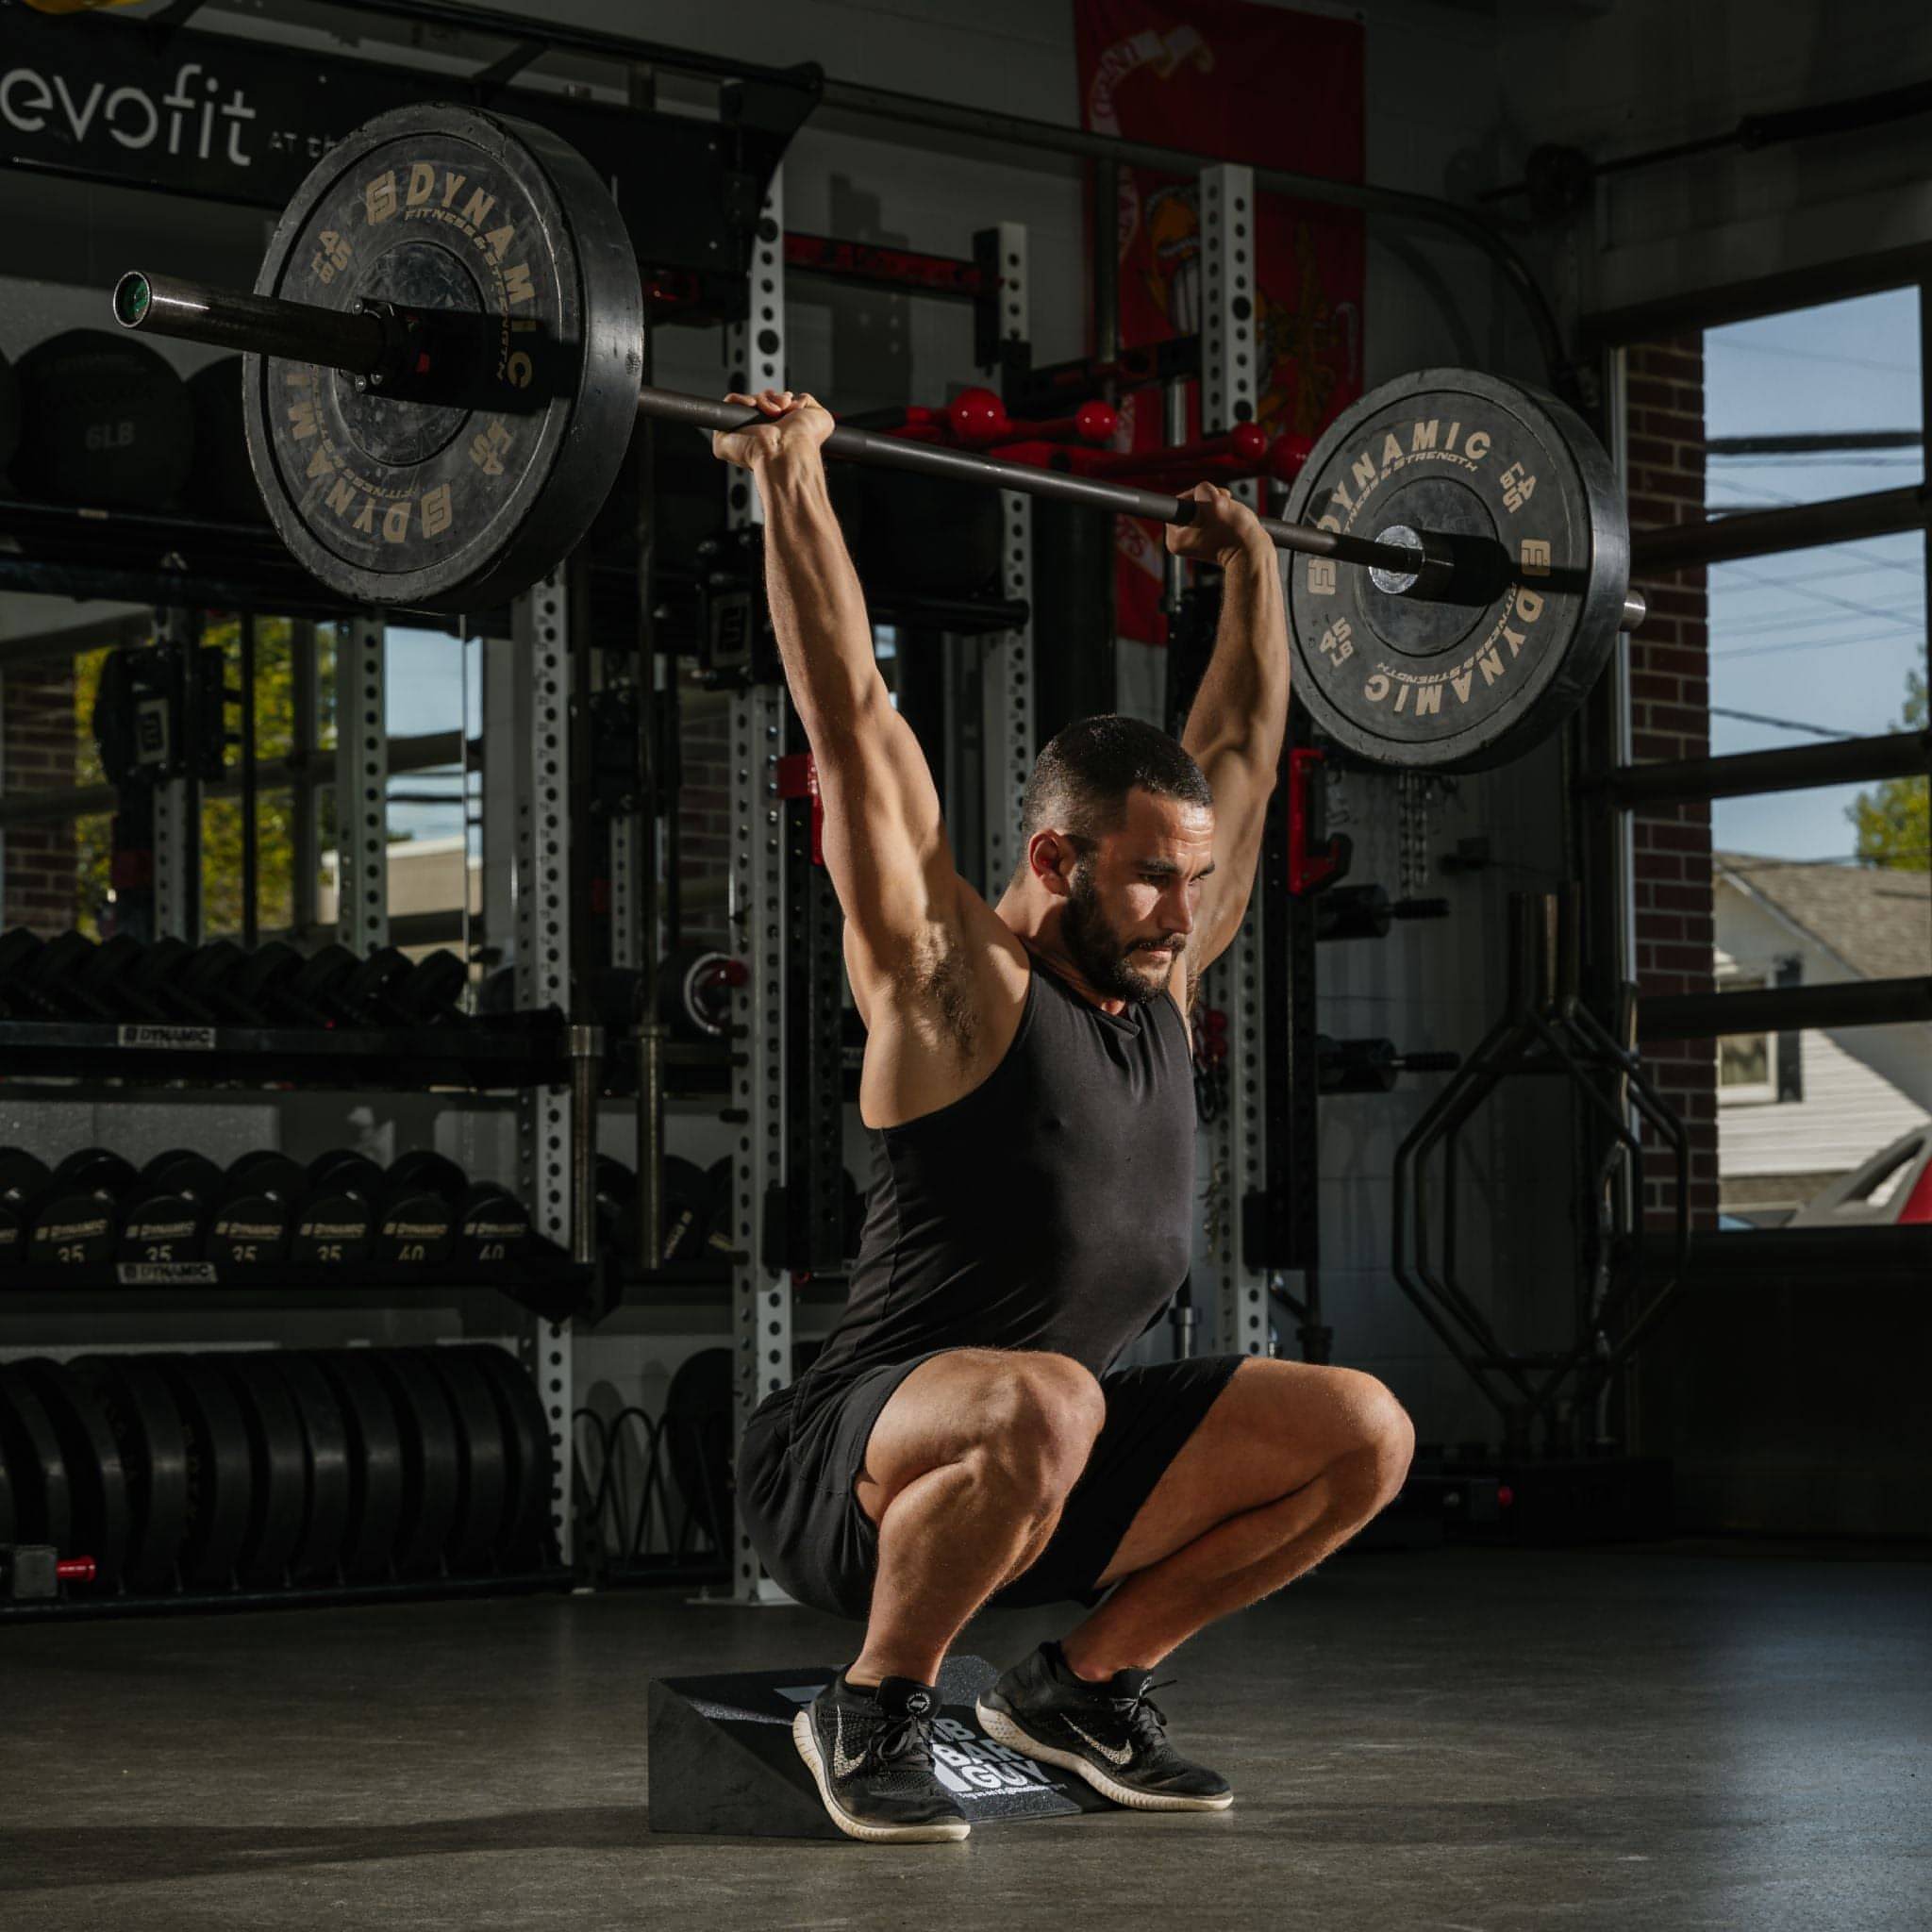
{"x": 1050, "y": 857}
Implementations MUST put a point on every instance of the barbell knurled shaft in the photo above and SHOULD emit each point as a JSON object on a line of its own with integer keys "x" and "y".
{"x": 357, "y": 343}
{"x": 934, "y": 459}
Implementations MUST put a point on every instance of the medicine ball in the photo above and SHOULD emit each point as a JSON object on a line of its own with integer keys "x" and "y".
{"x": 106, "y": 421}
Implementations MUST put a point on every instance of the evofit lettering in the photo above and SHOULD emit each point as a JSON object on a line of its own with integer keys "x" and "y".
{"x": 181, "y": 121}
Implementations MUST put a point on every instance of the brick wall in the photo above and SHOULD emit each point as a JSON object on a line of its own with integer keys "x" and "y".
{"x": 36, "y": 750}
{"x": 1670, "y": 690}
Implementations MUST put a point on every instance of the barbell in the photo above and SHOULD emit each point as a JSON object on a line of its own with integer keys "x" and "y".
{"x": 442, "y": 374}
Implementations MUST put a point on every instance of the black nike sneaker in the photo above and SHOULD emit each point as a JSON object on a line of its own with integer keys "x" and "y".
{"x": 1111, "y": 1733}
{"x": 871, "y": 1753}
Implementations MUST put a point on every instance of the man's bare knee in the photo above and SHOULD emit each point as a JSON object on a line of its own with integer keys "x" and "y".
{"x": 1038, "y": 1419}
{"x": 1381, "y": 1438}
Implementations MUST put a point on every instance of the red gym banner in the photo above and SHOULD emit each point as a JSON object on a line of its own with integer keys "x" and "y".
{"x": 1240, "y": 83}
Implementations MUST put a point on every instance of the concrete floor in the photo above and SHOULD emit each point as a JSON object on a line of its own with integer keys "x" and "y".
{"x": 1457, "y": 1739}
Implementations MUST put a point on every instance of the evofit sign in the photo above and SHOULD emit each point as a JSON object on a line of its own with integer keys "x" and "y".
{"x": 201, "y": 115}
{"x": 191, "y": 114}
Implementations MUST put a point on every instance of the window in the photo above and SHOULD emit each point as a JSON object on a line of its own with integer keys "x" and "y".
{"x": 1828, "y": 642}
{"x": 1744, "y": 1060}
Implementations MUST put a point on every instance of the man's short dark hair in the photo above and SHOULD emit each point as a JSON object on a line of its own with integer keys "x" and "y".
{"x": 1081, "y": 780}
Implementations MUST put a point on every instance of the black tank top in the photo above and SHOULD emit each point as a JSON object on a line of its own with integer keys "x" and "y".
{"x": 1048, "y": 1209}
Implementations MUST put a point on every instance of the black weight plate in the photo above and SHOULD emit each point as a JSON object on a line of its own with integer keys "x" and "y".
{"x": 43, "y": 1502}
{"x": 221, "y": 1474}
{"x": 482, "y": 1458}
{"x": 528, "y": 1536}
{"x": 447, "y": 507}
{"x": 698, "y": 1439}
{"x": 375, "y": 1459}
{"x": 1525, "y": 499}
{"x": 8, "y": 1532}
{"x": 431, "y": 1479}
{"x": 106, "y": 418}
{"x": 96, "y": 1486}
{"x": 279, "y": 1505}
{"x": 325, "y": 1447}
{"x": 694, "y": 991}
{"x": 145, "y": 1420}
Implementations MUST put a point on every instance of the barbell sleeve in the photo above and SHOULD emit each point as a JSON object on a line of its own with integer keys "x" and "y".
{"x": 351, "y": 339}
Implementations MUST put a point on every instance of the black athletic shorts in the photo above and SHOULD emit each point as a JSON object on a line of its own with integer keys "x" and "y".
{"x": 795, "y": 1473}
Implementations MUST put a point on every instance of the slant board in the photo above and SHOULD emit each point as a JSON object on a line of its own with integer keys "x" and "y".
{"x": 722, "y": 1763}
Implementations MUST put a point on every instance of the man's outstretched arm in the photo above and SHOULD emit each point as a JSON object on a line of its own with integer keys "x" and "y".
{"x": 884, "y": 842}
{"x": 1239, "y": 715}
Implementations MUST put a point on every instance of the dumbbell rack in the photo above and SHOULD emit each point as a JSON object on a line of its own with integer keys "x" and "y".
{"x": 544, "y": 1278}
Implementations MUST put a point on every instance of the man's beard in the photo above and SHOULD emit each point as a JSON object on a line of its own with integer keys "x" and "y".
{"x": 1103, "y": 962}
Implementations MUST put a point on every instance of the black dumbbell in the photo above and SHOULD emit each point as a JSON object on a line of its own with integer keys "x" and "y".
{"x": 152, "y": 984}
{"x": 492, "y": 1225}
{"x": 337, "y": 1219}
{"x": 431, "y": 992}
{"x": 24, "y": 1179}
{"x": 166, "y": 1211}
{"x": 389, "y": 988}
{"x": 19, "y": 949}
{"x": 421, "y": 1195}
{"x": 260, "y": 984}
{"x": 101, "y": 976}
{"x": 78, "y": 1225}
{"x": 1365, "y": 913}
{"x": 315, "y": 995}
{"x": 1372, "y": 1065}
{"x": 56, "y": 978}
{"x": 255, "y": 1214}
{"x": 368, "y": 991}
{"x": 432, "y": 1213}
{"x": 205, "y": 989}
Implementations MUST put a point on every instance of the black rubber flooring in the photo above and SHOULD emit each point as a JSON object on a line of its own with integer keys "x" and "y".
{"x": 1457, "y": 1739}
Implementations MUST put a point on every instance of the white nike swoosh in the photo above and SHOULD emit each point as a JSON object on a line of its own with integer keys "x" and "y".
{"x": 1122, "y": 1755}
{"x": 842, "y": 1766}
